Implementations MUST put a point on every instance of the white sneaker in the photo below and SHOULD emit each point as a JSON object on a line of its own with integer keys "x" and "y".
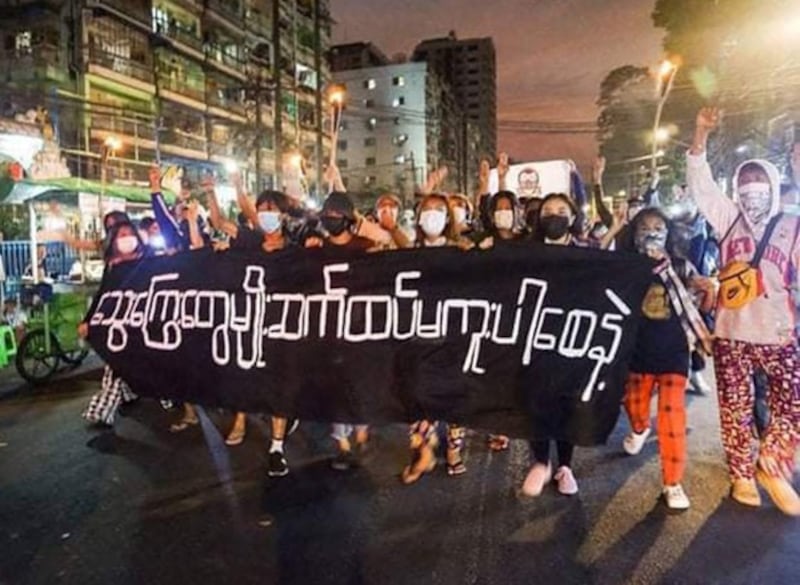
{"x": 634, "y": 442}
{"x": 675, "y": 497}
{"x": 566, "y": 481}
{"x": 698, "y": 382}
{"x": 538, "y": 477}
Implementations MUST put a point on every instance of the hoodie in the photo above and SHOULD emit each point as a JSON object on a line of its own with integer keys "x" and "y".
{"x": 769, "y": 319}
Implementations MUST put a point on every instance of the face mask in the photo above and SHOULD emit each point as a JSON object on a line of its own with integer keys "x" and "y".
{"x": 755, "y": 200}
{"x": 432, "y": 222}
{"x": 335, "y": 226}
{"x": 504, "y": 219}
{"x": 459, "y": 215}
{"x": 651, "y": 241}
{"x": 127, "y": 244}
{"x": 269, "y": 221}
{"x": 554, "y": 227}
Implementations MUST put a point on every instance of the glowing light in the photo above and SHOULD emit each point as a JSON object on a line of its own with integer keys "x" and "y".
{"x": 312, "y": 204}
{"x": 296, "y": 160}
{"x": 336, "y": 95}
{"x": 666, "y": 68}
{"x": 112, "y": 143}
{"x": 231, "y": 166}
{"x": 662, "y": 134}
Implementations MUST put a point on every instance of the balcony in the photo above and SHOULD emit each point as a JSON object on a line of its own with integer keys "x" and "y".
{"x": 182, "y": 37}
{"x": 173, "y": 137}
{"x": 225, "y": 99}
{"x": 138, "y": 10}
{"x": 127, "y": 129}
{"x": 232, "y": 9}
{"x": 38, "y": 63}
{"x": 221, "y": 149}
{"x": 120, "y": 66}
{"x": 182, "y": 88}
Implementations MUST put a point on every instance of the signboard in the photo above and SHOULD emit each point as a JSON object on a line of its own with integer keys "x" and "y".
{"x": 535, "y": 179}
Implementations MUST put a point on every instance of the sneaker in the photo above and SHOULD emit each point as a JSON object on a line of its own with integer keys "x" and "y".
{"x": 343, "y": 461}
{"x": 277, "y": 466}
{"x": 699, "y": 384}
{"x": 781, "y": 492}
{"x": 634, "y": 442}
{"x": 567, "y": 485}
{"x": 745, "y": 492}
{"x": 538, "y": 477}
{"x": 675, "y": 497}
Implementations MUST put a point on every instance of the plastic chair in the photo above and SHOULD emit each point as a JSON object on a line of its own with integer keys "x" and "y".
{"x": 8, "y": 345}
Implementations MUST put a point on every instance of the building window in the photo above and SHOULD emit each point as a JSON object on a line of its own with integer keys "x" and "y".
{"x": 370, "y": 84}
{"x": 372, "y": 123}
{"x": 341, "y": 145}
{"x": 399, "y": 101}
{"x": 341, "y": 163}
{"x": 400, "y": 139}
{"x": 399, "y": 81}
{"x": 343, "y": 125}
{"x": 370, "y": 180}
{"x": 397, "y": 120}
{"x": 400, "y": 159}
{"x": 369, "y": 103}
{"x": 369, "y": 141}
{"x": 472, "y": 48}
{"x": 370, "y": 161}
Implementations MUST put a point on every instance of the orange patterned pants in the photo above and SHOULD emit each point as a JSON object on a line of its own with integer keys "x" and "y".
{"x": 671, "y": 417}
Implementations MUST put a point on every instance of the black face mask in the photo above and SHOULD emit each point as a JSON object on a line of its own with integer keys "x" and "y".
{"x": 335, "y": 226}
{"x": 554, "y": 227}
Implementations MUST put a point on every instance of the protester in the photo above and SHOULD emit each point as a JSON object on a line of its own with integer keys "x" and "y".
{"x": 503, "y": 221}
{"x": 123, "y": 245}
{"x": 670, "y": 327}
{"x": 755, "y": 322}
{"x": 270, "y": 210}
{"x": 338, "y": 220}
{"x": 433, "y": 224}
{"x": 387, "y": 212}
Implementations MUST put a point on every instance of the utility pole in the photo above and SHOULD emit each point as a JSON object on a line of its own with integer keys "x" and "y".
{"x": 318, "y": 94}
{"x": 278, "y": 105}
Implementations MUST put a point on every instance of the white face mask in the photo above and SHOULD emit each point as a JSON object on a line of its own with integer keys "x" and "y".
{"x": 269, "y": 221}
{"x": 755, "y": 200}
{"x": 504, "y": 219}
{"x": 127, "y": 244}
{"x": 459, "y": 215}
{"x": 432, "y": 222}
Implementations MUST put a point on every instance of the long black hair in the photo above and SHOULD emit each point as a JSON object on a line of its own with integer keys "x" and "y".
{"x": 537, "y": 233}
{"x": 494, "y": 201}
{"x": 111, "y": 237}
{"x": 629, "y": 237}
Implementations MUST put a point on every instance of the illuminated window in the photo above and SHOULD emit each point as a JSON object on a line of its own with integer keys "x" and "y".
{"x": 369, "y": 84}
{"x": 399, "y": 101}
{"x": 399, "y": 81}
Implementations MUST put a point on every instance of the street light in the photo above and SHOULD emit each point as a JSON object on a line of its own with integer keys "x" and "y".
{"x": 662, "y": 135}
{"x": 664, "y": 80}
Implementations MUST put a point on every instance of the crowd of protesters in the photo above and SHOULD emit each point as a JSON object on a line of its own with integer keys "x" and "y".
{"x": 723, "y": 265}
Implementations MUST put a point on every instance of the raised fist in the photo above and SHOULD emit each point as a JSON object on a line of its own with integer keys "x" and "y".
{"x": 708, "y": 118}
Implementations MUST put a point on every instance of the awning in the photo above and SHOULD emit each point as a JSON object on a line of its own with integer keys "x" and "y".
{"x": 17, "y": 192}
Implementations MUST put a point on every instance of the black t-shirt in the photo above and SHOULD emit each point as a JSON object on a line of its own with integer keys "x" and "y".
{"x": 247, "y": 239}
{"x": 356, "y": 245}
{"x": 661, "y": 346}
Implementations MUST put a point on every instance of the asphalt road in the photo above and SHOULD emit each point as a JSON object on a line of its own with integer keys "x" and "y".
{"x": 141, "y": 505}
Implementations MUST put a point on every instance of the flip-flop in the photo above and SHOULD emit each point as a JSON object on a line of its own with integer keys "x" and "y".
{"x": 183, "y": 424}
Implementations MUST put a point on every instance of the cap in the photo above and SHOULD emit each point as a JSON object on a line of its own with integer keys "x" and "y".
{"x": 340, "y": 203}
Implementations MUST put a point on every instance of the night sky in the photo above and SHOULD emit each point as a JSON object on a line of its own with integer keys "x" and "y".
{"x": 551, "y": 54}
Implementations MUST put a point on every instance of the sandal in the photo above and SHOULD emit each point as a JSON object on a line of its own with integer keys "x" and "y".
{"x": 423, "y": 461}
{"x": 498, "y": 443}
{"x": 457, "y": 467}
{"x": 183, "y": 424}
{"x": 235, "y": 437}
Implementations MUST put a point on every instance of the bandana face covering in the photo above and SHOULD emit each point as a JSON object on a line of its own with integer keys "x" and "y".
{"x": 755, "y": 199}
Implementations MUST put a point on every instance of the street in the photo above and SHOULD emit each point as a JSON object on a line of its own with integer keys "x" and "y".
{"x": 141, "y": 505}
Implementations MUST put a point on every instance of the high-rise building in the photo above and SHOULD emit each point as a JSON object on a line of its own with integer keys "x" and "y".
{"x": 189, "y": 82}
{"x": 469, "y": 67}
{"x": 356, "y": 56}
{"x": 398, "y": 125}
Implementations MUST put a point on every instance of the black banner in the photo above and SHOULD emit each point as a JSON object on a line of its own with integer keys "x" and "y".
{"x": 528, "y": 340}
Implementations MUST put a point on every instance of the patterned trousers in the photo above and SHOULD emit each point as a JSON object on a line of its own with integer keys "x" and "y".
{"x": 104, "y": 404}
{"x": 735, "y": 363}
{"x": 671, "y": 417}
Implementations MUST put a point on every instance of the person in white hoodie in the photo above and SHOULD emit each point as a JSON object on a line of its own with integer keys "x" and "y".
{"x": 755, "y": 320}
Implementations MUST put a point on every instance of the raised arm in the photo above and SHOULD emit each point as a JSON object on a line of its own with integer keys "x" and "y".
{"x": 218, "y": 220}
{"x": 244, "y": 202}
{"x": 195, "y": 237}
{"x": 720, "y": 211}
{"x": 502, "y": 171}
{"x": 597, "y": 191}
{"x": 169, "y": 228}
